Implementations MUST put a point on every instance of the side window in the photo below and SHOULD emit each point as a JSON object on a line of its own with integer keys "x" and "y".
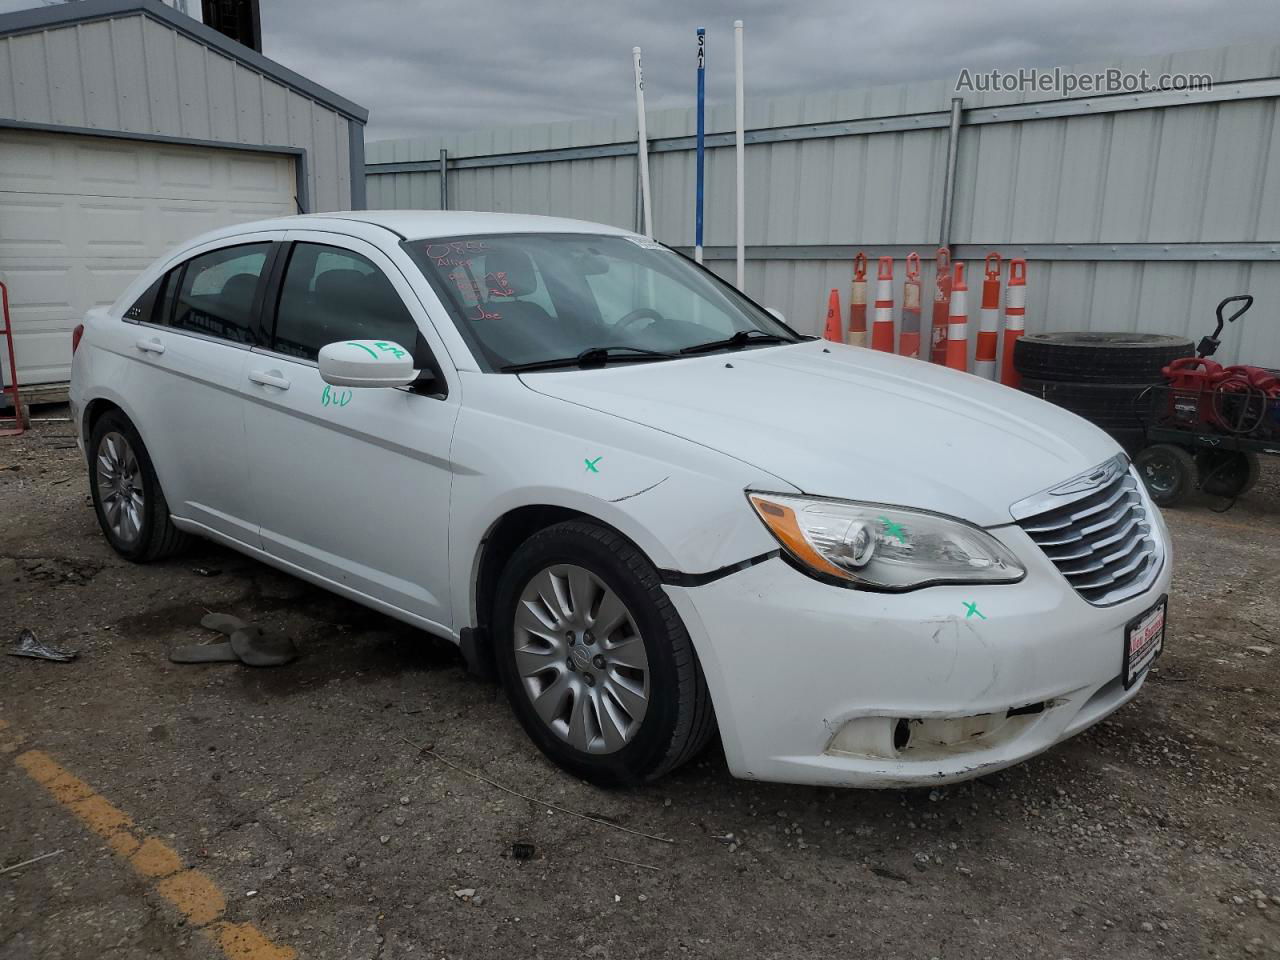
{"x": 331, "y": 294}
{"x": 216, "y": 291}
{"x": 143, "y": 307}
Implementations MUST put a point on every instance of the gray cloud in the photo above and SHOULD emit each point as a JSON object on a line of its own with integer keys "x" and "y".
{"x": 425, "y": 66}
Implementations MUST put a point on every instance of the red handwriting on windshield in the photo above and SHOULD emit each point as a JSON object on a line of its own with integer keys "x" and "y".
{"x": 498, "y": 284}
{"x": 482, "y": 314}
{"x": 466, "y": 285}
{"x": 455, "y": 253}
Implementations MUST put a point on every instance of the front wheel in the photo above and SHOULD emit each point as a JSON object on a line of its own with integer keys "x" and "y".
{"x": 598, "y": 666}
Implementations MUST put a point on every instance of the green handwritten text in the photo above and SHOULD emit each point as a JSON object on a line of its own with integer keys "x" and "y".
{"x": 335, "y": 398}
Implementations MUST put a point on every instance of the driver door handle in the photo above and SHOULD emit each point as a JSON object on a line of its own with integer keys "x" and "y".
{"x": 151, "y": 345}
{"x": 269, "y": 378}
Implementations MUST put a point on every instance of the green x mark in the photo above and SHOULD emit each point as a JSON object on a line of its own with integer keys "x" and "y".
{"x": 892, "y": 529}
{"x": 591, "y": 464}
{"x": 972, "y": 608}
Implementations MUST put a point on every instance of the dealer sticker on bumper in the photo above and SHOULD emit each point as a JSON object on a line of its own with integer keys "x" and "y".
{"x": 1143, "y": 641}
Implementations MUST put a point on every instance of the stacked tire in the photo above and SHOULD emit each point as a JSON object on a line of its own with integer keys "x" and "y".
{"x": 1102, "y": 377}
{"x": 1105, "y": 378}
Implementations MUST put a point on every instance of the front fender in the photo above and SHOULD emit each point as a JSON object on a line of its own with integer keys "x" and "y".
{"x": 679, "y": 502}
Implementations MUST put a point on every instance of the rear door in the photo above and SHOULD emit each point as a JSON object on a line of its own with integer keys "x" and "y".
{"x": 192, "y": 332}
{"x": 353, "y": 484}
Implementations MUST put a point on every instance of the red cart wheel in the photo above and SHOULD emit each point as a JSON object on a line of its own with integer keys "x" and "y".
{"x": 1169, "y": 473}
{"x": 1227, "y": 473}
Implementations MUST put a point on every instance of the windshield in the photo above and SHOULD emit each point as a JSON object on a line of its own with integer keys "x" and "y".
{"x": 522, "y": 299}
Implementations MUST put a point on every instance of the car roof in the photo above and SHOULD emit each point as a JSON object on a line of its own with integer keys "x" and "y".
{"x": 417, "y": 224}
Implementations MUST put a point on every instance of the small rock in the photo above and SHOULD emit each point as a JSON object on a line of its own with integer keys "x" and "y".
{"x": 399, "y": 821}
{"x": 404, "y": 801}
{"x": 251, "y": 893}
{"x": 384, "y": 839}
{"x": 1146, "y": 927}
{"x": 466, "y": 893}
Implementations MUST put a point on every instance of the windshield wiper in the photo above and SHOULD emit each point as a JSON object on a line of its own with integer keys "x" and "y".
{"x": 592, "y": 356}
{"x": 738, "y": 340}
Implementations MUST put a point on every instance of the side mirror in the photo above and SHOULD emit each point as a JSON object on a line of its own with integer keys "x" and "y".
{"x": 366, "y": 363}
{"x": 777, "y": 313}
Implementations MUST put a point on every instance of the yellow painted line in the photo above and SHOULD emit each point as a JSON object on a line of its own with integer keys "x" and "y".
{"x": 192, "y": 892}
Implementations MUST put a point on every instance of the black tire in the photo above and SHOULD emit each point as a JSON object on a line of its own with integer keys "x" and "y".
{"x": 1168, "y": 472}
{"x": 679, "y": 719}
{"x": 157, "y": 537}
{"x": 1098, "y": 357}
{"x": 1111, "y": 406}
{"x": 1227, "y": 473}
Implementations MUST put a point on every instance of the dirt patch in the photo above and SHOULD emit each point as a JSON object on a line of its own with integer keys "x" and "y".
{"x": 1153, "y": 835}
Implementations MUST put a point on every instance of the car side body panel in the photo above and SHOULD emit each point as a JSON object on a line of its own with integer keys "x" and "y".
{"x": 681, "y": 503}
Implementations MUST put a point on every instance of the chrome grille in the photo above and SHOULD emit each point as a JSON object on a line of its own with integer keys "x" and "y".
{"x": 1102, "y": 538}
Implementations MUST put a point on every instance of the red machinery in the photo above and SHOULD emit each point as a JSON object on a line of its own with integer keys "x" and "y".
{"x": 1206, "y": 425}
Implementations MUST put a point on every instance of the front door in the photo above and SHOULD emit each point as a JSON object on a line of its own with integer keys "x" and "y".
{"x": 352, "y": 485}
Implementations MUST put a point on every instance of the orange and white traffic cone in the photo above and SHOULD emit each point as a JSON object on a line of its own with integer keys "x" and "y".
{"x": 882, "y": 329}
{"x": 958, "y": 323}
{"x": 984, "y": 354}
{"x": 909, "y": 342}
{"x": 857, "y": 335}
{"x": 832, "y": 331}
{"x": 1015, "y": 320}
{"x": 941, "y": 300}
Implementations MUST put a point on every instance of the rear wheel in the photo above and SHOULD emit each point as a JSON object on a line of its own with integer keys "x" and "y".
{"x": 127, "y": 498}
{"x": 1169, "y": 473}
{"x": 1227, "y": 473}
{"x": 598, "y": 666}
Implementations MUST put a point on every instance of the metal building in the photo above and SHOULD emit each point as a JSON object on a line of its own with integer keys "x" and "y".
{"x": 1137, "y": 211}
{"x": 126, "y": 127}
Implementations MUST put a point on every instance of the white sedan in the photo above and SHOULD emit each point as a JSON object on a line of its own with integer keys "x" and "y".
{"x": 653, "y": 509}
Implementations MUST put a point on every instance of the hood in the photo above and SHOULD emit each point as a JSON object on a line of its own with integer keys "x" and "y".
{"x": 848, "y": 422}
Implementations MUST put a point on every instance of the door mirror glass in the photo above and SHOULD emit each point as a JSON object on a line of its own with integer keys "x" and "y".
{"x": 366, "y": 363}
{"x": 777, "y": 314}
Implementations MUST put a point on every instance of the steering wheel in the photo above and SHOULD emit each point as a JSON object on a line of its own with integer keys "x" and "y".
{"x": 643, "y": 313}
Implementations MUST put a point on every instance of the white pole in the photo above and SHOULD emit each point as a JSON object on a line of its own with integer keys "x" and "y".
{"x": 643, "y": 139}
{"x": 739, "y": 151}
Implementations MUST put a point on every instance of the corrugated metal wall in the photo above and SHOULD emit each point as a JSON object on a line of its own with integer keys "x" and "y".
{"x": 1136, "y": 212}
{"x": 134, "y": 74}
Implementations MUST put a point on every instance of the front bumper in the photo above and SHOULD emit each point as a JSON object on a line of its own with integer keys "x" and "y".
{"x": 797, "y": 668}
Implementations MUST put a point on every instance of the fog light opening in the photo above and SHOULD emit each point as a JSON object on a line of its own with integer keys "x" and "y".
{"x": 901, "y": 734}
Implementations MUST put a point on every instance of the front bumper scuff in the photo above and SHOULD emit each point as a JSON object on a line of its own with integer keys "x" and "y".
{"x": 791, "y": 662}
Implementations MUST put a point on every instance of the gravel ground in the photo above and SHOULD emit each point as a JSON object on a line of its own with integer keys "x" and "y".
{"x": 301, "y": 791}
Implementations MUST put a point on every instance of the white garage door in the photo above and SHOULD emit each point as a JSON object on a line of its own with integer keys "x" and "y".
{"x": 81, "y": 216}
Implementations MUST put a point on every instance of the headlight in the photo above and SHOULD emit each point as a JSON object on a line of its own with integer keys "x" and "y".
{"x": 881, "y": 547}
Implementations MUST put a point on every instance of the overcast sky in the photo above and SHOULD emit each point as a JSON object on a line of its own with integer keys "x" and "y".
{"x": 424, "y": 66}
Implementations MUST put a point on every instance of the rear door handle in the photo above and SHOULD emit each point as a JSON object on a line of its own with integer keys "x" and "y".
{"x": 152, "y": 345}
{"x": 269, "y": 378}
